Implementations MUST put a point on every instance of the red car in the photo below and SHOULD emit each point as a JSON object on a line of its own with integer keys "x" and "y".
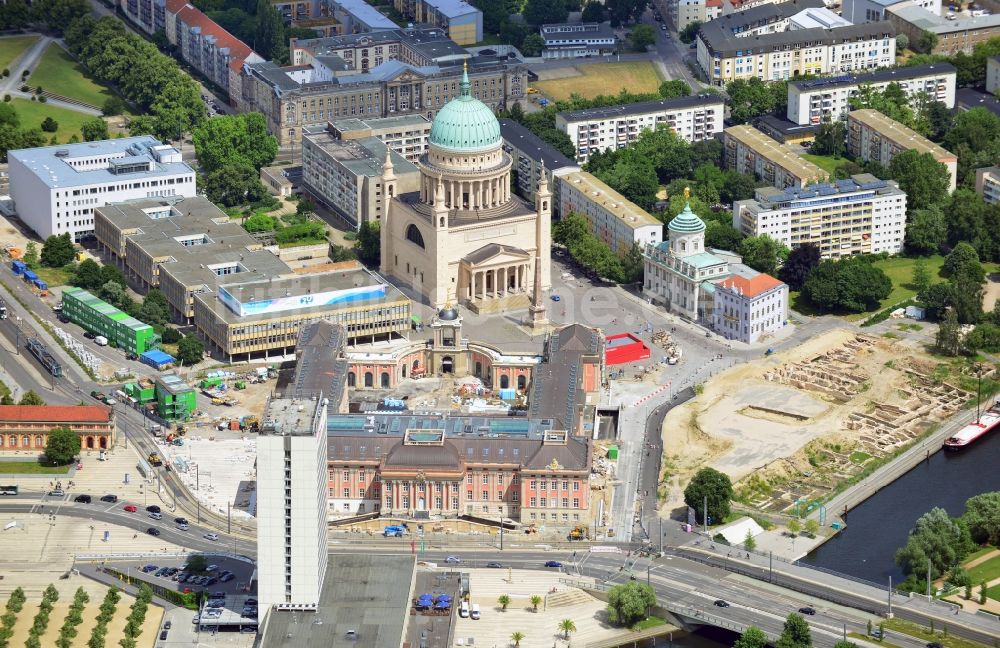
{"x": 130, "y": 508}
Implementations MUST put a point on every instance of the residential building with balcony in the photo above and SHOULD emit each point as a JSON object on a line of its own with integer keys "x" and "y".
{"x": 859, "y": 215}
{"x": 532, "y": 156}
{"x": 871, "y": 136}
{"x": 681, "y": 13}
{"x": 613, "y": 218}
{"x": 575, "y": 40}
{"x": 462, "y": 21}
{"x": 827, "y": 99}
{"x": 747, "y": 150}
{"x": 988, "y": 184}
{"x": 693, "y": 119}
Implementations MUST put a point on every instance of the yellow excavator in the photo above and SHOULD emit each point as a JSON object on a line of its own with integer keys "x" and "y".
{"x": 579, "y": 532}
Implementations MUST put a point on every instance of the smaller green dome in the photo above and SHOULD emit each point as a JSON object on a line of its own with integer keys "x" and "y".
{"x": 686, "y": 222}
{"x": 465, "y": 123}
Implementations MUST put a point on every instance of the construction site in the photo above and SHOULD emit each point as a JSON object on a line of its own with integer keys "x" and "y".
{"x": 793, "y": 428}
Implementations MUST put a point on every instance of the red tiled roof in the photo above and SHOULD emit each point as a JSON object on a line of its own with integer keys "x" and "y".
{"x": 192, "y": 17}
{"x": 751, "y": 287}
{"x": 173, "y": 6}
{"x": 56, "y": 413}
{"x": 713, "y": 3}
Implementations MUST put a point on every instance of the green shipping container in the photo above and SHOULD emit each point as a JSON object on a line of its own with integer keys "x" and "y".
{"x": 175, "y": 399}
{"x": 613, "y": 452}
{"x": 101, "y": 318}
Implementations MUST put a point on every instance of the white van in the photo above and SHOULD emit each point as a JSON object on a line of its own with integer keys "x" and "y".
{"x": 464, "y": 610}
{"x": 475, "y": 611}
{"x": 100, "y": 340}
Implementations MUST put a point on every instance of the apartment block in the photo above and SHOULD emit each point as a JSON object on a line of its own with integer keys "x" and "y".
{"x": 747, "y": 150}
{"x": 874, "y": 137}
{"x": 463, "y": 22}
{"x": 754, "y": 19}
{"x": 346, "y": 175}
{"x": 967, "y": 99}
{"x": 764, "y": 48}
{"x": 993, "y": 74}
{"x": 613, "y": 218}
{"x": 681, "y": 13}
{"x": 737, "y": 6}
{"x": 988, "y": 184}
{"x": 57, "y": 188}
{"x": 953, "y": 36}
{"x": 827, "y": 99}
{"x": 357, "y": 16}
{"x": 864, "y": 11}
{"x": 575, "y": 40}
{"x": 859, "y": 215}
{"x": 593, "y": 130}
{"x": 532, "y": 156}
{"x": 404, "y": 134}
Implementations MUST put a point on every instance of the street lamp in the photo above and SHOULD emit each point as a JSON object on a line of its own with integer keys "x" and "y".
{"x": 17, "y": 333}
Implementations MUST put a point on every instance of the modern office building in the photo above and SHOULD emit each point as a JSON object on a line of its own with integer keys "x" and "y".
{"x": 25, "y": 428}
{"x": 993, "y": 74}
{"x": 759, "y": 43}
{"x": 593, "y": 130}
{"x": 613, "y": 218}
{"x": 681, "y": 13}
{"x": 463, "y": 22}
{"x": 988, "y": 184}
{"x": 101, "y": 318}
{"x": 358, "y": 16}
{"x": 532, "y": 156}
{"x": 292, "y": 501}
{"x": 346, "y": 175}
{"x": 827, "y": 99}
{"x": 871, "y": 136}
{"x": 859, "y": 215}
{"x": 404, "y": 134}
{"x": 748, "y": 150}
{"x": 378, "y": 74}
{"x": 57, "y": 188}
{"x": 575, "y": 40}
{"x": 953, "y": 36}
{"x": 864, "y": 11}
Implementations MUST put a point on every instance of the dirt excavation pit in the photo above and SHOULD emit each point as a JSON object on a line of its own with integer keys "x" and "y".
{"x": 792, "y": 426}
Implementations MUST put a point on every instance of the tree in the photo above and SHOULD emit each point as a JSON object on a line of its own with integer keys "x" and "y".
{"x": 795, "y": 633}
{"x": 628, "y": 603}
{"x": 982, "y": 516}
{"x": 368, "y": 245}
{"x": 763, "y": 253}
{"x": 750, "y": 98}
{"x": 722, "y": 236}
{"x": 936, "y": 538}
{"x": 504, "y": 601}
{"x": 532, "y": 45}
{"x": 641, "y": 37}
{"x": 799, "y": 264}
{"x": 674, "y": 89}
{"x": 113, "y": 105}
{"x": 593, "y": 11}
{"x": 842, "y": 643}
{"x": 748, "y": 542}
{"x": 752, "y": 637}
{"x": 62, "y": 446}
{"x": 170, "y": 336}
{"x": 31, "y": 398}
{"x": 567, "y": 626}
{"x": 57, "y": 251}
{"x": 632, "y": 264}
{"x": 960, "y": 256}
{"x": 233, "y": 185}
{"x": 947, "y": 339}
{"x": 196, "y": 563}
{"x": 690, "y": 32}
{"x": 625, "y": 11}
{"x": 50, "y": 125}
{"x": 920, "y": 280}
{"x": 967, "y": 293}
{"x": 714, "y": 485}
{"x": 927, "y": 41}
{"x": 812, "y": 526}
{"x": 30, "y": 257}
{"x": 516, "y": 637}
{"x": 902, "y": 42}
{"x": 541, "y": 12}
{"x": 851, "y": 284}
{"x": 536, "y": 600}
{"x": 794, "y": 526}
{"x": 7, "y": 399}
{"x": 924, "y": 179}
{"x": 155, "y": 309}
{"x": 269, "y": 34}
{"x": 926, "y": 230}
{"x": 94, "y": 129}
{"x": 190, "y": 350}
{"x": 831, "y": 139}
{"x": 234, "y": 139}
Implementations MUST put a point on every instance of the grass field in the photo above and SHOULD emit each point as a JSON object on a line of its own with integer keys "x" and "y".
{"x": 993, "y": 593}
{"x": 54, "y": 276}
{"x": 12, "y": 46}
{"x": 985, "y": 571}
{"x": 58, "y": 72}
{"x": 603, "y": 78}
{"x": 33, "y": 113}
{"x": 825, "y": 162}
{"x": 30, "y": 467}
{"x": 922, "y": 633}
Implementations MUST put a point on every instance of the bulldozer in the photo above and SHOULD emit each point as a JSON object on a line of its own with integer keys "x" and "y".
{"x": 579, "y": 532}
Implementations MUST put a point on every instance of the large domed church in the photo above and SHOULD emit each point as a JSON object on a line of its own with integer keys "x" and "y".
{"x": 464, "y": 237}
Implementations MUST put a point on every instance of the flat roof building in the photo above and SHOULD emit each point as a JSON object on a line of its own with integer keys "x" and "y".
{"x": 574, "y": 40}
{"x": 858, "y": 215}
{"x": 813, "y": 17}
{"x": 967, "y": 99}
{"x": 871, "y": 136}
{"x": 613, "y": 218}
{"x": 988, "y": 184}
{"x": 826, "y": 99}
{"x": 346, "y": 175}
{"x": 57, "y": 188}
{"x": 404, "y": 134}
{"x": 959, "y": 35}
{"x": 463, "y": 21}
{"x": 993, "y": 74}
{"x": 747, "y": 150}
{"x": 357, "y": 16}
{"x": 591, "y": 130}
{"x": 531, "y": 154}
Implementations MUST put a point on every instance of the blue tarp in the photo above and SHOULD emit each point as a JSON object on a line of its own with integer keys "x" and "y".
{"x": 156, "y": 358}
{"x": 508, "y": 394}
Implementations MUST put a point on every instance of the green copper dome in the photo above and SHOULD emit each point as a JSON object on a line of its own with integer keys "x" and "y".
{"x": 686, "y": 222}
{"x": 465, "y": 124}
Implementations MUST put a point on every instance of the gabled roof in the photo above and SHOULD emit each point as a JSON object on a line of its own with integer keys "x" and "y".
{"x": 55, "y": 413}
{"x": 752, "y": 287}
{"x": 494, "y": 250}
{"x": 192, "y": 17}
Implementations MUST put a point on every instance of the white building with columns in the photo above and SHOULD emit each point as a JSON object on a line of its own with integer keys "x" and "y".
{"x": 463, "y": 236}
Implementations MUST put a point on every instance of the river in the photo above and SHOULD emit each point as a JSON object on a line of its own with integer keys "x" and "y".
{"x": 879, "y": 526}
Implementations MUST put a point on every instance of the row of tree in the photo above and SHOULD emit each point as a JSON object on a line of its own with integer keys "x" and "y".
{"x": 74, "y": 617}
{"x": 98, "y": 636}
{"x": 595, "y": 255}
{"x": 41, "y": 620}
{"x": 168, "y": 99}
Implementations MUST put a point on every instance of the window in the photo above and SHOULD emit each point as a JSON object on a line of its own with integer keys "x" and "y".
{"x": 565, "y": 503}
{"x": 347, "y": 475}
{"x": 576, "y": 502}
{"x": 486, "y": 495}
{"x": 468, "y": 478}
{"x": 515, "y": 496}
{"x": 565, "y": 485}
{"x": 468, "y": 495}
{"x": 542, "y": 501}
{"x": 347, "y": 492}
{"x": 533, "y": 484}
{"x": 454, "y": 502}
{"x": 414, "y": 236}
{"x": 361, "y": 475}
{"x": 500, "y": 479}
{"x": 437, "y": 489}
{"x": 576, "y": 485}
{"x": 531, "y": 502}
{"x": 406, "y": 487}
{"x": 545, "y": 485}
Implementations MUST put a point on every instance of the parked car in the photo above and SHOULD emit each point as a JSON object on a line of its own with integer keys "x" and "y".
{"x": 182, "y": 527}
{"x": 83, "y": 499}
{"x": 148, "y": 568}
{"x": 153, "y": 531}
{"x": 225, "y": 578}
{"x": 130, "y": 508}
{"x": 89, "y": 335}
{"x": 168, "y": 625}
{"x": 113, "y": 499}
{"x": 163, "y": 635}
{"x": 212, "y": 568}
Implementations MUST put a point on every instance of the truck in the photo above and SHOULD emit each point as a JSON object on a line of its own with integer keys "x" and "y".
{"x": 394, "y": 531}
{"x": 155, "y": 459}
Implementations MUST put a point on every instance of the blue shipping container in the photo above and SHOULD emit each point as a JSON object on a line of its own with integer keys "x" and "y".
{"x": 18, "y": 267}
{"x": 41, "y": 285}
{"x": 30, "y": 276}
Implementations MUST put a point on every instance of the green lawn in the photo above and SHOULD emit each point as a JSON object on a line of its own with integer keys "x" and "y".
{"x": 825, "y": 162}
{"x": 12, "y": 46}
{"x": 985, "y": 571}
{"x": 33, "y": 113}
{"x": 30, "y": 467}
{"x": 54, "y": 276}
{"x": 58, "y": 72}
{"x": 900, "y": 271}
{"x": 647, "y": 623}
{"x": 993, "y": 593}
{"x": 922, "y": 633}
{"x": 979, "y": 552}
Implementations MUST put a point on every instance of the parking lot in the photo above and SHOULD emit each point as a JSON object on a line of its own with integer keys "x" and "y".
{"x": 224, "y": 573}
